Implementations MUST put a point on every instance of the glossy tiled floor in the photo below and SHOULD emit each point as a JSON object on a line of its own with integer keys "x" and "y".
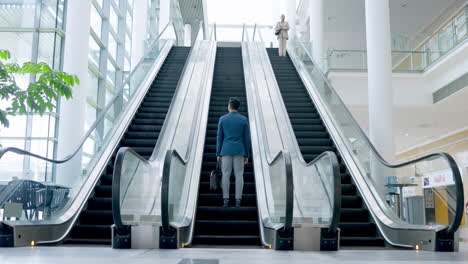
{"x": 88, "y": 255}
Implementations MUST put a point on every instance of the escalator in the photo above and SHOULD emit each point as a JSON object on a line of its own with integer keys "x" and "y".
{"x": 357, "y": 228}
{"x": 214, "y": 224}
{"x": 93, "y": 224}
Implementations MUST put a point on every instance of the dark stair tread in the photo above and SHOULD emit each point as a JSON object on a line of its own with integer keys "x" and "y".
{"x": 141, "y": 135}
{"x": 214, "y": 224}
{"x": 313, "y": 138}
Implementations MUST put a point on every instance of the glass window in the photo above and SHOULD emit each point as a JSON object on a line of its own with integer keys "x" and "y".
{"x": 40, "y": 126}
{"x": 18, "y": 43}
{"x": 46, "y": 48}
{"x": 113, "y": 19}
{"x": 111, "y": 73}
{"x": 14, "y": 16}
{"x": 99, "y": 2}
{"x": 112, "y": 46}
{"x": 96, "y": 21}
{"x": 94, "y": 51}
{"x": 49, "y": 17}
{"x": 11, "y": 165}
{"x": 127, "y": 65}
{"x": 39, "y": 171}
{"x": 17, "y": 127}
{"x": 129, "y": 21}
{"x": 92, "y": 92}
{"x": 128, "y": 44}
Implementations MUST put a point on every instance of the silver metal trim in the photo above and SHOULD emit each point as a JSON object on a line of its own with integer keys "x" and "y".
{"x": 395, "y": 231}
{"x": 56, "y": 230}
{"x": 272, "y": 133}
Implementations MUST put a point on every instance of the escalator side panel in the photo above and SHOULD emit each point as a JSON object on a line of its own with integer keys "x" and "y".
{"x": 93, "y": 225}
{"x": 357, "y": 228}
{"x": 215, "y": 225}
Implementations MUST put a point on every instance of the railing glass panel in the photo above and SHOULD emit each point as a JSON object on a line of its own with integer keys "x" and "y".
{"x": 23, "y": 199}
{"x": 425, "y": 193}
{"x": 443, "y": 41}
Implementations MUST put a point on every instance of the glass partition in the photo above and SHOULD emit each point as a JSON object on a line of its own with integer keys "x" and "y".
{"x": 138, "y": 188}
{"x": 452, "y": 34}
{"x": 422, "y": 194}
{"x": 25, "y": 198}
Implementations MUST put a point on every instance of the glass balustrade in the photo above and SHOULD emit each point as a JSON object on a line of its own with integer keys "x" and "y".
{"x": 25, "y": 199}
{"x": 441, "y": 43}
{"x": 423, "y": 194}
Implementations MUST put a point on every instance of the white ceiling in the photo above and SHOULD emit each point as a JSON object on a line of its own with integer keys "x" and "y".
{"x": 345, "y": 19}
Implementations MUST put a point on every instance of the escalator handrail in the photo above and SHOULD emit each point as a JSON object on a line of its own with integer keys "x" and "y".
{"x": 289, "y": 210}
{"x": 453, "y": 227}
{"x": 116, "y": 177}
{"x": 336, "y": 188}
{"x": 290, "y": 186}
{"x": 165, "y": 223}
{"x": 98, "y": 120}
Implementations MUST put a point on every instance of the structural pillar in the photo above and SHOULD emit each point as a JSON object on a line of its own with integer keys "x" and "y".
{"x": 291, "y": 17}
{"x": 140, "y": 31}
{"x": 316, "y": 30}
{"x": 379, "y": 61}
{"x": 72, "y": 112}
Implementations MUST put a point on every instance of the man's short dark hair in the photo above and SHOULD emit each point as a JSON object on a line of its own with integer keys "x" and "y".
{"x": 234, "y": 103}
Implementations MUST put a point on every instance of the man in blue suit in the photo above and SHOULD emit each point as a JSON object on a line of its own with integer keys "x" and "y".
{"x": 232, "y": 149}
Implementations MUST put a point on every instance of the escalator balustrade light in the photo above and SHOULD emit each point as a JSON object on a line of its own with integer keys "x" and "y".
{"x": 33, "y": 243}
{"x": 417, "y": 247}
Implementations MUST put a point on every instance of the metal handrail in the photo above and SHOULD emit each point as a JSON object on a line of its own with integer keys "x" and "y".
{"x": 254, "y": 31}
{"x": 119, "y": 162}
{"x": 243, "y": 31}
{"x": 165, "y": 221}
{"x": 336, "y": 188}
{"x": 453, "y": 227}
{"x": 214, "y": 28}
{"x": 116, "y": 177}
{"x": 166, "y": 226}
{"x": 99, "y": 118}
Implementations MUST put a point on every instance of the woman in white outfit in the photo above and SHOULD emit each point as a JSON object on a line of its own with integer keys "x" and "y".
{"x": 282, "y": 27}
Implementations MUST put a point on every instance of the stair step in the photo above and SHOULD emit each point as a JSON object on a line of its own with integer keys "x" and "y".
{"x": 94, "y": 222}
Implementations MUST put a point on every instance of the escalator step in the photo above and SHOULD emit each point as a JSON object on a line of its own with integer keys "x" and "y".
{"x": 100, "y": 203}
{"x": 214, "y": 224}
{"x": 227, "y": 227}
{"x": 93, "y": 225}
{"x": 226, "y": 240}
{"x": 92, "y": 232}
{"x": 313, "y": 138}
{"x": 354, "y": 215}
{"x": 96, "y": 217}
{"x": 216, "y": 212}
{"x": 213, "y": 199}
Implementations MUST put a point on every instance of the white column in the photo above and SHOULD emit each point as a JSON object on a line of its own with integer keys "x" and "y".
{"x": 379, "y": 63}
{"x": 140, "y": 30}
{"x": 291, "y": 17}
{"x": 187, "y": 35}
{"x": 72, "y": 112}
{"x": 316, "y": 30}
